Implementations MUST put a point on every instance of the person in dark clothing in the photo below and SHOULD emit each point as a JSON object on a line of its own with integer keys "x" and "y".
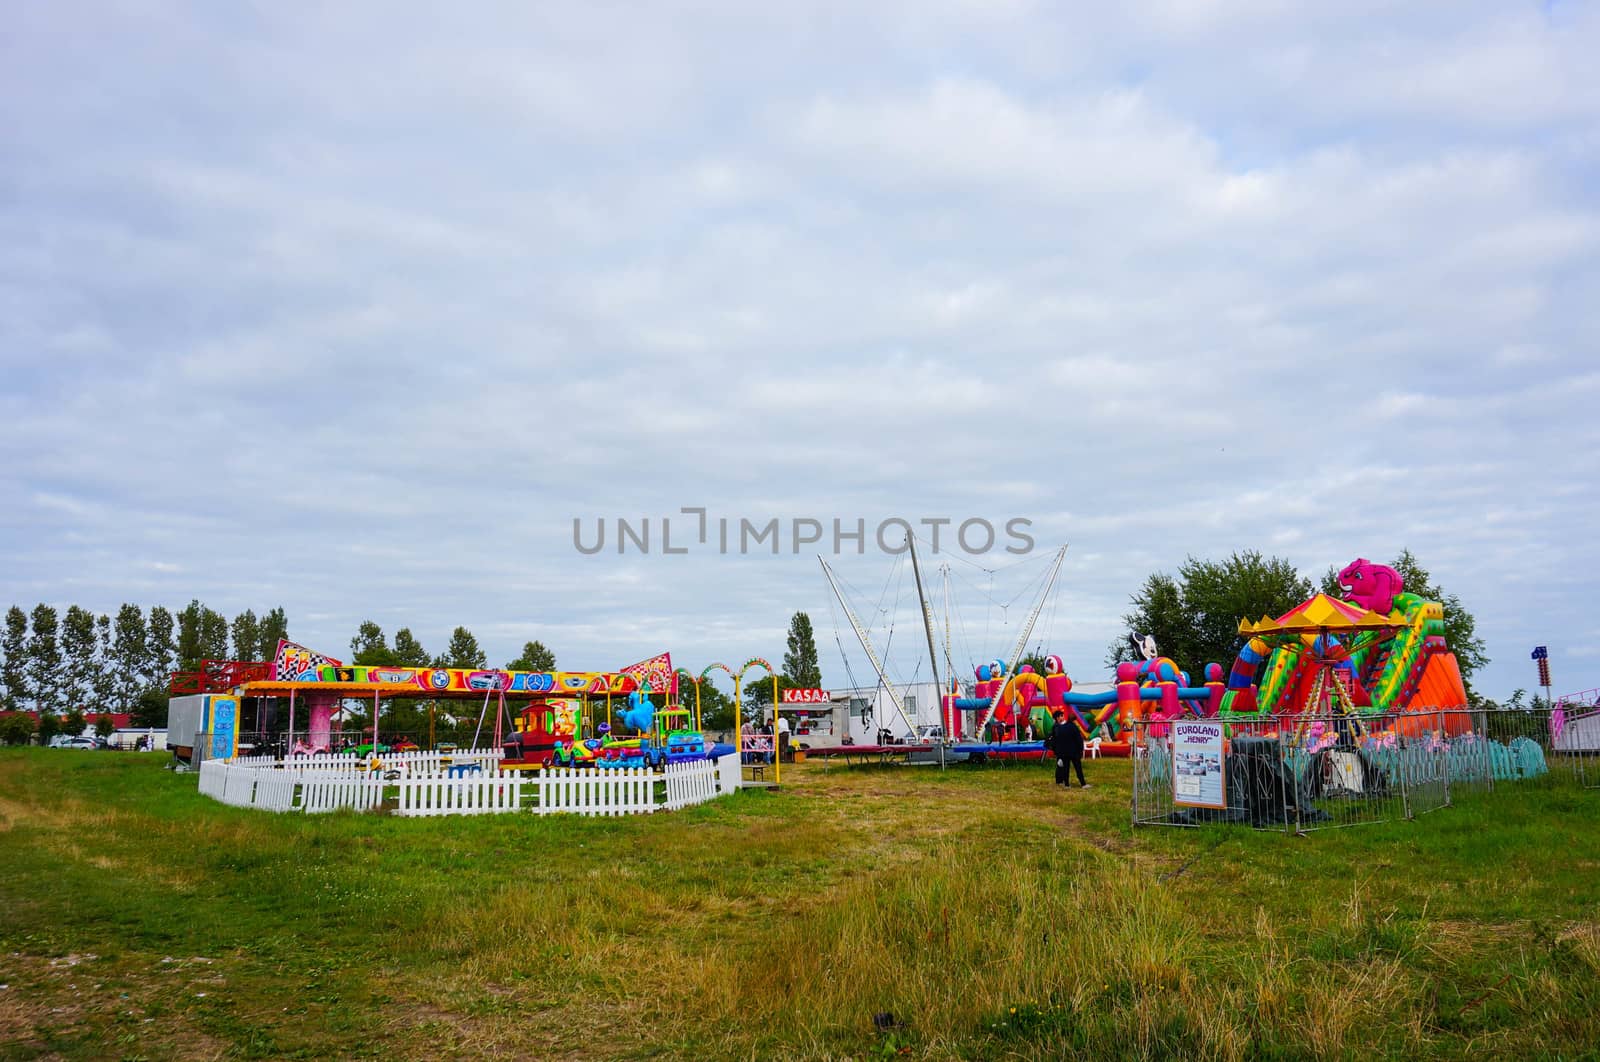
{"x": 1066, "y": 741}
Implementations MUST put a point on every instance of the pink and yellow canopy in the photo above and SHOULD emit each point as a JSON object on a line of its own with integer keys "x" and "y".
{"x": 1321, "y": 613}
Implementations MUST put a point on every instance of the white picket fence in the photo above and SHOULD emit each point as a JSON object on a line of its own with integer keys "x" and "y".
{"x": 686, "y": 785}
{"x": 596, "y": 791}
{"x": 330, "y": 792}
{"x": 353, "y": 766}
{"x": 409, "y": 762}
{"x": 463, "y": 794}
{"x": 416, "y": 761}
{"x": 330, "y": 784}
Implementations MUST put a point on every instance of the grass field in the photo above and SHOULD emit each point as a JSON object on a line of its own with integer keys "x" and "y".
{"x": 991, "y": 914}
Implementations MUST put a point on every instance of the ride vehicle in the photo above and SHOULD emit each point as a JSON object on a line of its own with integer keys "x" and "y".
{"x": 573, "y": 754}
{"x": 683, "y": 743}
{"x": 633, "y": 752}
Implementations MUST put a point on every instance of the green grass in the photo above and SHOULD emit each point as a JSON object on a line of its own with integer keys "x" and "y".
{"x": 991, "y": 914}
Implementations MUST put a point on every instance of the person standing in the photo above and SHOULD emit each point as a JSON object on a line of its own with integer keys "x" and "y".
{"x": 783, "y": 737}
{"x": 1066, "y": 741}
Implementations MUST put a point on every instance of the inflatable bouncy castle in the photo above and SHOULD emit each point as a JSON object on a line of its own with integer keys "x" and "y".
{"x": 1377, "y": 654}
{"x": 1007, "y": 706}
{"x": 1378, "y": 651}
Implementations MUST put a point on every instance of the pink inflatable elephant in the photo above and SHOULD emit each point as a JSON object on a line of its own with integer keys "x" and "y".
{"x": 1371, "y": 586}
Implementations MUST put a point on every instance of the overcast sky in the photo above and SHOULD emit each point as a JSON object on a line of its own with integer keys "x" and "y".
{"x": 353, "y": 308}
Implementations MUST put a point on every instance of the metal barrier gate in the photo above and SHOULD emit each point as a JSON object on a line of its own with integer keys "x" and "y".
{"x": 1301, "y": 773}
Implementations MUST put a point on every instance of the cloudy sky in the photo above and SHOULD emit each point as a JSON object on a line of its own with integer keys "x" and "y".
{"x": 354, "y": 308}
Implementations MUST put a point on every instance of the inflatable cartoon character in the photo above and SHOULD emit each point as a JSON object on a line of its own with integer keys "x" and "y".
{"x": 1372, "y": 586}
{"x": 641, "y": 713}
{"x": 565, "y": 723}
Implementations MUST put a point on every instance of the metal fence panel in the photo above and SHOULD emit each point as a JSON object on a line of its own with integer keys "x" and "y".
{"x": 1314, "y": 772}
{"x": 1257, "y": 791}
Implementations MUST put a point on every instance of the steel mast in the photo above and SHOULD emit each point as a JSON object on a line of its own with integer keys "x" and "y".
{"x": 866, "y": 644}
{"x": 1022, "y": 642}
{"x": 933, "y": 653}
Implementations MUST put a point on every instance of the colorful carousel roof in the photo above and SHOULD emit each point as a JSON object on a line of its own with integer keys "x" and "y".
{"x": 1321, "y": 613}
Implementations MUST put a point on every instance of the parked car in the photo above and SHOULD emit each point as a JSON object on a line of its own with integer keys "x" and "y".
{"x": 928, "y": 734}
{"x": 86, "y": 741}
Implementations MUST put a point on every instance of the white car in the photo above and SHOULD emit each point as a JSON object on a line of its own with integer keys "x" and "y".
{"x": 928, "y": 734}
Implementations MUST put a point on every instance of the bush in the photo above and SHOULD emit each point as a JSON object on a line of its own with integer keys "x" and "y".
{"x": 150, "y": 710}
{"x": 74, "y": 723}
{"x": 1506, "y": 726}
{"x": 49, "y": 726}
{"x": 104, "y": 727}
{"x": 16, "y": 728}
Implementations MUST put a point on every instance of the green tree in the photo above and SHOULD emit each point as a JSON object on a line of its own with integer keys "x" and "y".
{"x": 1194, "y": 617}
{"x": 129, "y": 646}
{"x": 800, "y": 661}
{"x": 716, "y": 707}
{"x": 1034, "y": 659}
{"x": 1460, "y": 626}
{"x": 214, "y": 634}
{"x": 535, "y": 657}
{"x": 464, "y": 651}
{"x": 273, "y": 628}
{"x": 150, "y": 708}
{"x": 49, "y": 726}
{"x": 16, "y": 728}
{"x": 755, "y": 694}
{"x": 44, "y": 660}
{"x": 191, "y": 636}
{"x": 73, "y": 723}
{"x": 104, "y": 684}
{"x": 78, "y": 645}
{"x": 408, "y": 651}
{"x": 14, "y": 685}
{"x": 246, "y": 631}
{"x": 160, "y": 651}
{"x": 103, "y": 726}
{"x": 370, "y": 647}
{"x": 1158, "y": 612}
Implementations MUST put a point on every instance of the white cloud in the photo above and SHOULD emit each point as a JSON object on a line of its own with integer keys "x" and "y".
{"x": 355, "y": 312}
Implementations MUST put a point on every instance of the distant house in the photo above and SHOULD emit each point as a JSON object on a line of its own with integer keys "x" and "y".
{"x": 119, "y": 720}
{"x": 155, "y": 739}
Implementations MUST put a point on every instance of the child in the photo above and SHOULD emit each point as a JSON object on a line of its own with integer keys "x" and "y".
{"x": 1066, "y": 741}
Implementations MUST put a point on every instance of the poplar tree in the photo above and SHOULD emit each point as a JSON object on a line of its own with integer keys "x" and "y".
{"x": 160, "y": 655}
{"x": 14, "y": 685}
{"x": 800, "y": 662}
{"x": 44, "y": 661}
{"x": 129, "y": 656}
{"x": 78, "y": 648}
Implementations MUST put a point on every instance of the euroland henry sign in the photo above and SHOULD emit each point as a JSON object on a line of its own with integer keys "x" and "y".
{"x": 805, "y": 696}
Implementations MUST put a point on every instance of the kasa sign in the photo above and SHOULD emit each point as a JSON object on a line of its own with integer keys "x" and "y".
{"x": 805, "y": 696}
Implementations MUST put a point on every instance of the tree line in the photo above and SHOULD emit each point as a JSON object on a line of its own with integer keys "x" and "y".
{"x": 64, "y": 665}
